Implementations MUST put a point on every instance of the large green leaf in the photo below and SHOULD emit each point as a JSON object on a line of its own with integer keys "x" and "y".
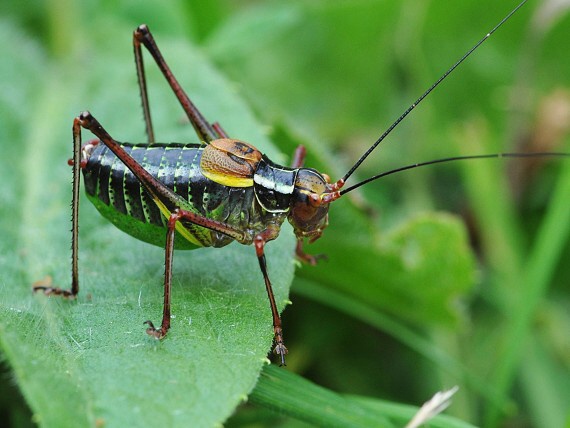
{"x": 89, "y": 361}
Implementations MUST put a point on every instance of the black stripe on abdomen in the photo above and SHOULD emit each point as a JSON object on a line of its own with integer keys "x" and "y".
{"x": 175, "y": 165}
{"x": 132, "y": 186}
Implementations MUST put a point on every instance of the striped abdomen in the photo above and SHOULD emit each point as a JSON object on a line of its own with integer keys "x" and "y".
{"x": 120, "y": 197}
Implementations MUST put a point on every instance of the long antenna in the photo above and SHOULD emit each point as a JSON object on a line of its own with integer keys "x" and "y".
{"x": 451, "y": 159}
{"x": 426, "y": 93}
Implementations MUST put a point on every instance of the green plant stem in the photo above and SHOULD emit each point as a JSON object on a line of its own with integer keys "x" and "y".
{"x": 290, "y": 394}
{"x": 551, "y": 237}
{"x": 287, "y": 393}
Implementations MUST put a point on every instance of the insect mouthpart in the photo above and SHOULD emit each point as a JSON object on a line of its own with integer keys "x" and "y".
{"x": 309, "y": 207}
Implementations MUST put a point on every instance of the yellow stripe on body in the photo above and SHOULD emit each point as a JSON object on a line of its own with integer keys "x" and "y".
{"x": 228, "y": 180}
{"x": 179, "y": 226}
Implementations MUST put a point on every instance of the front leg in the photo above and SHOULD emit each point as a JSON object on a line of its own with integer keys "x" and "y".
{"x": 310, "y": 259}
{"x": 259, "y": 242}
{"x": 298, "y": 162}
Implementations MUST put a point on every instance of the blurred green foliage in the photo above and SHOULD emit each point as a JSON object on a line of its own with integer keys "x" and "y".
{"x": 453, "y": 274}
